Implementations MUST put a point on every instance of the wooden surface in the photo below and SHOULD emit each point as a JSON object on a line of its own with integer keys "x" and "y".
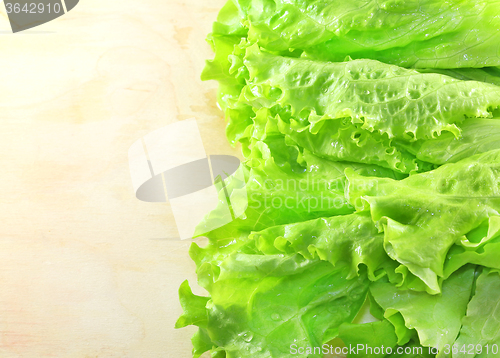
{"x": 87, "y": 270}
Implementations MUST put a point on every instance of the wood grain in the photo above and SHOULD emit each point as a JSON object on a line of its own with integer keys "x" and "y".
{"x": 87, "y": 270}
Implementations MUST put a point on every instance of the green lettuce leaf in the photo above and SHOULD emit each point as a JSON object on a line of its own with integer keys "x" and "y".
{"x": 423, "y": 34}
{"x": 478, "y": 136}
{"x": 341, "y": 140}
{"x": 424, "y": 215}
{"x": 351, "y": 239}
{"x": 486, "y": 74}
{"x": 195, "y": 313}
{"x": 391, "y": 100}
{"x": 481, "y": 246}
{"x": 374, "y": 334}
{"x": 481, "y": 325}
{"x": 282, "y": 308}
{"x": 436, "y": 318}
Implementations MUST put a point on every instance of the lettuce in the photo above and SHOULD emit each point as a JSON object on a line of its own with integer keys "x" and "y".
{"x": 452, "y": 34}
{"x": 371, "y": 182}
{"x": 437, "y": 319}
{"x": 424, "y": 215}
{"x": 258, "y": 302}
{"x": 391, "y": 100}
{"x": 481, "y": 327}
{"x": 478, "y": 136}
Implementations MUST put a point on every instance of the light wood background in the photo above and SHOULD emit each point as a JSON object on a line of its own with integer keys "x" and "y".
{"x": 87, "y": 270}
